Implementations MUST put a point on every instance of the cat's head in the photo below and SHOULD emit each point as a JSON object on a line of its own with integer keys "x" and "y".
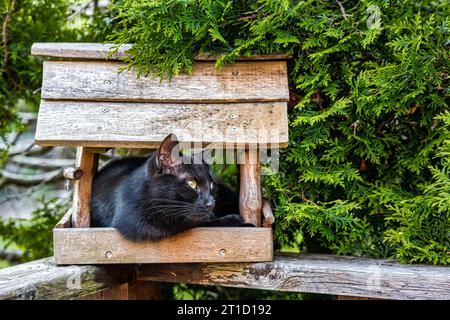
{"x": 182, "y": 181}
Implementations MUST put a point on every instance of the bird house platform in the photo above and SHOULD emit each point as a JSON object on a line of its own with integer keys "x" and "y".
{"x": 87, "y": 103}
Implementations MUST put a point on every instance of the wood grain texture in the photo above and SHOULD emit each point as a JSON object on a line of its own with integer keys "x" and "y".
{"x": 99, "y": 51}
{"x": 106, "y": 246}
{"x": 134, "y": 290}
{"x": 78, "y": 50}
{"x": 87, "y": 162}
{"x": 268, "y": 217}
{"x": 250, "y": 197}
{"x": 145, "y": 125}
{"x": 43, "y": 280}
{"x": 101, "y": 81}
{"x": 144, "y": 290}
{"x": 326, "y": 274}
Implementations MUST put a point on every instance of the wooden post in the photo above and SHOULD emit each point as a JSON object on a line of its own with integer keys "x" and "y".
{"x": 250, "y": 197}
{"x": 268, "y": 217}
{"x": 87, "y": 161}
{"x": 136, "y": 290}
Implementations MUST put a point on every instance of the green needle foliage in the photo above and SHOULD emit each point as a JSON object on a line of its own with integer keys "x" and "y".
{"x": 33, "y": 235}
{"x": 367, "y": 169}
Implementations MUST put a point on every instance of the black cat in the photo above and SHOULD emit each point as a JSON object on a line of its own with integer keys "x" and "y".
{"x": 155, "y": 197}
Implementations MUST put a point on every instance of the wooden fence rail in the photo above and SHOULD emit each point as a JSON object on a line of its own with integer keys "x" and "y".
{"x": 327, "y": 274}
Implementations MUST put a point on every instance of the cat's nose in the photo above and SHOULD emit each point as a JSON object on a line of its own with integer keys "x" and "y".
{"x": 209, "y": 203}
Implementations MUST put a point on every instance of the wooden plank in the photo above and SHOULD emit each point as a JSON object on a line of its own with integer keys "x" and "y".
{"x": 145, "y": 125}
{"x": 135, "y": 290}
{"x": 106, "y": 246}
{"x": 250, "y": 197}
{"x": 81, "y": 213}
{"x": 99, "y": 51}
{"x": 117, "y": 293}
{"x": 43, "y": 280}
{"x": 101, "y": 81}
{"x": 78, "y": 50}
{"x": 314, "y": 273}
{"x": 325, "y": 274}
{"x": 144, "y": 290}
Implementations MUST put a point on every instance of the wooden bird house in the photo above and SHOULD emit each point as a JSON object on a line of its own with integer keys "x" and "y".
{"x": 87, "y": 103}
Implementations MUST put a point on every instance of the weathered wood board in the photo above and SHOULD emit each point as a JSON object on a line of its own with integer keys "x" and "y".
{"x": 119, "y": 124}
{"x": 106, "y": 246}
{"x": 315, "y": 273}
{"x": 135, "y": 290}
{"x": 99, "y": 51}
{"x": 43, "y": 280}
{"x": 102, "y": 81}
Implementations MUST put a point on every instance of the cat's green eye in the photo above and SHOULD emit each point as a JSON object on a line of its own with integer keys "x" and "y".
{"x": 192, "y": 184}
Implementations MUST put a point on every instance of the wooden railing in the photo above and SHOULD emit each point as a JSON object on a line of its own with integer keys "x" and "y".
{"x": 325, "y": 274}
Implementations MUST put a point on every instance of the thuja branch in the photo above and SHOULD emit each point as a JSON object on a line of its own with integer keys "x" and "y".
{"x": 5, "y": 40}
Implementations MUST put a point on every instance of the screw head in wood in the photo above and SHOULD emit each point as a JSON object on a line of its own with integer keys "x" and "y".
{"x": 107, "y": 82}
{"x": 233, "y": 115}
{"x": 104, "y": 110}
{"x": 108, "y": 254}
{"x": 222, "y": 252}
{"x": 235, "y": 73}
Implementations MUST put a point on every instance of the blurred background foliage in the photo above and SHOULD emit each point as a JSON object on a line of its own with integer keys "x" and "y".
{"x": 367, "y": 170}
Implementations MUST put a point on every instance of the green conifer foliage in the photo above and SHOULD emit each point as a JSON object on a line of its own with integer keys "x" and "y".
{"x": 367, "y": 169}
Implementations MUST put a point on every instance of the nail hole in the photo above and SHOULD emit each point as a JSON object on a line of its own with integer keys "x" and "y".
{"x": 108, "y": 254}
{"x": 223, "y": 252}
{"x": 107, "y": 82}
{"x": 235, "y": 73}
{"x": 99, "y": 128}
{"x": 104, "y": 110}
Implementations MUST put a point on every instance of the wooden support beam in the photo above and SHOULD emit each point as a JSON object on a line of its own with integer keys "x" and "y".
{"x": 250, "y": 197}
{"x": 135, "y": 290}
{"x": 314, "y": 273}
{"x": 43, "y": 280}
{"x": 87, "y": 162}
{"x": 268, "y": 217}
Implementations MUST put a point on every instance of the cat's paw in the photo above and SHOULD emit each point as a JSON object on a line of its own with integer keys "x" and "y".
{"x": 239, "y": 222}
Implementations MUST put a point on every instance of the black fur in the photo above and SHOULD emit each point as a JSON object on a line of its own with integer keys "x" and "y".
{"x": 149, "y": 198}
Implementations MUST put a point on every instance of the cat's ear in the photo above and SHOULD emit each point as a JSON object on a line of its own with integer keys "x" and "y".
{"x": 168, "y": 157}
